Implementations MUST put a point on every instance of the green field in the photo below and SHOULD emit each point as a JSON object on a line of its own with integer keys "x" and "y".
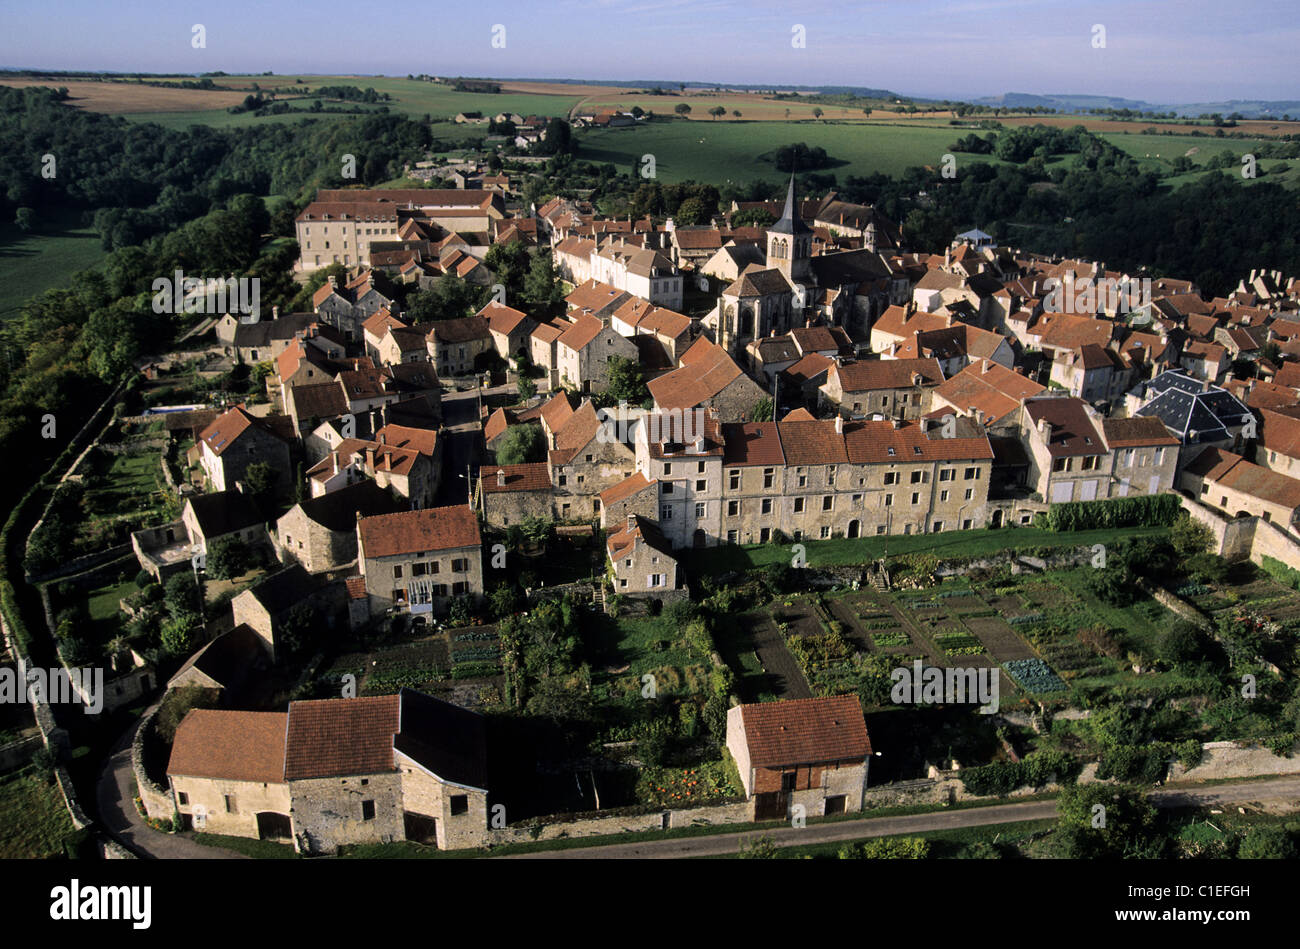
{"x": 37, "y": 260}
{"x": 35, "y": 819}
{"x": 718, "y": 152}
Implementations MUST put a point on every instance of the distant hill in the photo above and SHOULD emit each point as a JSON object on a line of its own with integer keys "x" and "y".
{"x": 1248, "y": 108}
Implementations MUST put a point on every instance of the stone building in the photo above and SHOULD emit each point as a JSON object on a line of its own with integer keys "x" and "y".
{"x": 236, "y": 440}
{"x": 583, "y": 352}
{"x": 418, "y": 561}
{"x": 335, "y": 772}
{"x": 889, "y": 388}
{"x": 812, "y": 753}
{"x": 641, "y": 559}
{"x": 584, "y": 461}
{"x": 510, "y": 493}
{"x": 321, "y": 532}
{"x": 707, "y": 378}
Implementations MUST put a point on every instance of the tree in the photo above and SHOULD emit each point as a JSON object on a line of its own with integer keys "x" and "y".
{"x": 181, "y": 593}
{"x": 866, "y": 112}
{"x": 817, "y": 113}
{"x": 179, "y": 633}
{"x": 228, "y": 557}
{"x": 762, "y": 411}
{"x": 1125, "y": 826}
{"x": 1112, "y": 584}
{"x": 1189, "y": 537}
{"x": 521, "y": 444}
{"x": 503, "y": 601}
{"x": 295, "y": 630}
{"x": 759, "y": 848}
{"x": 753, "y": 217}
{"x": 626, "y": 383}
{"x": 527, "y": 389}
{"x": 692, "y": 211}
{"x": 717, "y": 112}
{"x": 260, "y": 481}
{"x": 25, "y": 218}
{"x": 542, "y": 294}
{"x": 682, "y": 109}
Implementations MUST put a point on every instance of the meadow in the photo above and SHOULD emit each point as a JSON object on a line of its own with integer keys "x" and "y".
{"x": 33, "y": 261}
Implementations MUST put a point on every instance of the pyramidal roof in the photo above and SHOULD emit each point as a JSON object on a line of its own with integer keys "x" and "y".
{"x": 791, "y": 221}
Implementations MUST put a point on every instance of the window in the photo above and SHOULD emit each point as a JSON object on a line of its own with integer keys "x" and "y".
{"x": 767, "y": 477}
{"x": 419, "y": 569}
{"x": 1128, "y": 456}
{"x": 1205, "y": 489}
{"x": 668, "y": 469}
{"x": 938, "y": 527}
{"x": 367, "y": 810}
{"x": 916, "y": 497}
{"x": 798, "y": 505}
{"x": 734, "y": 483}
{"x": 826, "y": 532}
{"x": 459, "y": 565}
{"x": 764, "y": 535}
{"x": 788, "y": 781}
{"x": 699, "y": 468}
{"x": 665, "y": 512}
{"x": 733, "y": 508}
{"x": 699, "y": 509}
{"x": 656, "y": 580}
{"x": 972, "y": 474}
{"x": 827, "y": 502}
{"x": 1268, "y": 516}
{"x": 803, "y": 481}
{"x": 891, "y": 451}
{"x": 231, "y": 806}
{"x": 966, "y": 524}
{"x": 397, "y": 572}
{"x": 1089, "y": 463}
{"x": 1223, "y": 501}
{"x": 947, "y": 474}
{"x": 701, "y": 484}
{"x": 1160, "y": 456}
{"x": 182, "y": 797}
{"x": 1059, "y": 464}
{"x": 590, "y": 459}
{"x": 889, "y": 500}
{"x": 564, "y": 479}
{"x": 766, "y": 506}
{"x": 732, "y": 537}
{"x": 459, "y": 804}
{"x": 830, "y": 476}
{"x": 891, "y": 477}
{"x": 918, "y": 477}
{"x": 666, "y": 487}
{"x": 943, "y": 495}
{"x": 970, "y": 493}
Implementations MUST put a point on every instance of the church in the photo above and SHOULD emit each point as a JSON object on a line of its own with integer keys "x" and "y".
{"x": 792, "y": 286}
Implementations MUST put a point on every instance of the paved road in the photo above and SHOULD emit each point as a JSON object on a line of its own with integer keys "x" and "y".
{"x": 1286, "y": 788}
{"x": 117, "y": 814}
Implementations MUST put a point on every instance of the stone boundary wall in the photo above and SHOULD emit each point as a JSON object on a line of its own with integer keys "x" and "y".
{"x": 157, "y": 800}
{"x": 86, "y": 562}
{"x": 18, "y": 753}
{"x": 740, "y": 812}
{"x": 1227, "y": 759}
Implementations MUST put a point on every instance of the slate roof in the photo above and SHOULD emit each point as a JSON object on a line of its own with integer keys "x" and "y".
{"x": 1135, "y": 432}
{"x": 805, "y": 731}
{"x": 1186, "y": 406}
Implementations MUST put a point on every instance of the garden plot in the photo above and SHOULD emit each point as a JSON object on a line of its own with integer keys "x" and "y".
{"x": 1001, "y": 641}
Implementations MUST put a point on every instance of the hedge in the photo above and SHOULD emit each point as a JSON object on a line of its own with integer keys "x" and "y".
{"x": 1157, "y": 510}
{"x": 1036, "y": 770}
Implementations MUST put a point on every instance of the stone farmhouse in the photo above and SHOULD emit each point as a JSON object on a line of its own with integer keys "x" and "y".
{"x": 416, "y": 561}
{"x": 333, "y": 772}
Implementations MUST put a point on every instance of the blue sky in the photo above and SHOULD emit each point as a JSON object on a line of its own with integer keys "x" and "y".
{"x": 1160, "y": 51}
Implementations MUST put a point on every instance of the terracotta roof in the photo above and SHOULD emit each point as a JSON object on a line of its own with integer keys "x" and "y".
{"x": 816, "y": 339}
{"x": 535, "y": 476}
{"x": 411, "y": 532}
{"x": 805, "y": 731}
{"x": 1072, "y": 430}
{"x": 810, "y": 366}
{"x": 811, "y": 443}
{"x": 230, "y": 746}
{"x": 1069, "y": 331}
{"x": 1232, "y": 471}
{"x": 460, "y": 330}
{"x": 584, "y": 330}
{"x": 337, "y": 737}
{"x": 625, "y": 489}
{"x": 595, "y": 296}
{"x": 501, "y": 318}
{"x": 226, "y": 429}
{"x": 752, "y": 443}
{"x": 575, "y": 434}
{"x": 356, "y": 587}
{"x": 866, "y": 375}
{"x": 422, "y": 440}
{"x": 318, "y": 400}
{"x": 496, "y": 424}
{"x": 379, "y": 321}
{"x": 705, "y": 371}
{"x": 547, "y": 332}
{"x": 1280, "y": 433}
{"x": 989, "y": 388}
{"x": 1134, "y": 432}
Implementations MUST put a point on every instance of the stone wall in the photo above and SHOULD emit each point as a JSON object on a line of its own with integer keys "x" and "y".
{"x": 17, "y": 753}
{"x": 1225, "y": 759}
{"x": 327, "y": 812}
{"x": 1244, "y": 538}
{"x": 157, "y": 800}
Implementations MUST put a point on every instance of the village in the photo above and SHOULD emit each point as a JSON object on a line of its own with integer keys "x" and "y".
{"x": 425, "y": 574}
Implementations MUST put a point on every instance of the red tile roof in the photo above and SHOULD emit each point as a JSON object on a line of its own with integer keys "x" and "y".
{"x": 625, "y": 489}
{"x": 865, "y": 375}
{"x": 535, "y": 476}
{"x": 805, "y": 731}
{"x": 705, "y": 371}
{"x": 231, "y": 746}
{"x": 409, "y": 532}
{"x": 338, "y": 737}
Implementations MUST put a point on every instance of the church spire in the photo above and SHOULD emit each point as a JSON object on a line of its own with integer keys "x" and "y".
{"x": 791, "y": 220}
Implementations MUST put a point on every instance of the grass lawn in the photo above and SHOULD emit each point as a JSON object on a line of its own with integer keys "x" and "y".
{"x": 103, "y": 600}
{"x": 132, "y": 485}
{"x": 862, "y": 550}
{"x": 35, "y": 261}
{"x": 35, "y": 820}
{"x": 261, "y": 849}
{"x": 646, "y": 642}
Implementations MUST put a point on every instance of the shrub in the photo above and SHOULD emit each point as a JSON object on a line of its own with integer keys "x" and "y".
{"x": 1158, "y": 510}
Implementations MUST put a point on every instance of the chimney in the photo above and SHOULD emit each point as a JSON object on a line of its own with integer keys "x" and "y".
{"x": 839, "y": 424}
{"x": 1045, "y": 430}
{"x": 383, "y": 437}
{"x": 370, "y": 457}
{"x": 1205, "y": 385}
{"x": 336, "y": 462}
{"x": 896, "y": 422}
{"x": 631, "y": 522}
{"x": 275, "y": 312}
{"x": 334, "y": 282}
{"x": 501, "y": 477}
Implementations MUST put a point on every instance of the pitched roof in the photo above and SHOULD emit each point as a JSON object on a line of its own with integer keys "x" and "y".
{"x": 1280, "y": 433}
{"x": 879, "y": 442}
{"x": 1138, "y": 431}
{"x": 337, "y": 511}
{"x": 223, "y": 512}
{"x": 443, "y": 738}
{"x": 809, "y": 367}
{"x": 629, "y": 486}
{"x": 866, "y": 375}
{"x": 1072, "y": 430}
{"x": 230, "y": 746}
{"x": 318, "y": 400}
{"x": 227, "y": 429}
{"x": 584, "y": 329}
{"x": 752, "y": 443}
{"x": 1232, "y": 471}
{"x": 988, "y": 388}
{"x": 802, "y": 731}
{"x": 534, "y": 476}
{"x": 336, "y": 737}
{"x": 409, "y": 532}
{"x": 575, "y": 434}
{"x": 501, "y": 318}
{"x": 460, "y": 330}
{"x": 705, "y": 371}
